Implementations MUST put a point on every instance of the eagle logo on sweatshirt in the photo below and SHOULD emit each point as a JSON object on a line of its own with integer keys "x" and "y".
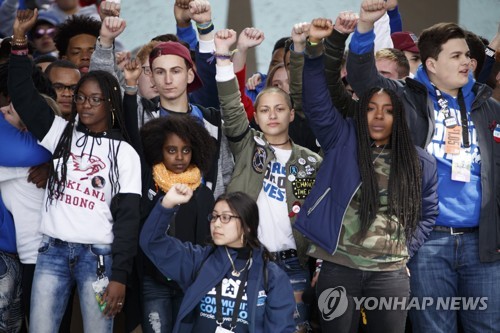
{"x": 88, "y": 164}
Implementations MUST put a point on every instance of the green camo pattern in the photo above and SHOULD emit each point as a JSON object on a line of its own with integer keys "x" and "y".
{"x": 380, "y": 249}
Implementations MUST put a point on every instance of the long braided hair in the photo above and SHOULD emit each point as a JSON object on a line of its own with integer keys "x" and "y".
{"x": 405, "y": 185}
{"x": 110, "y": 89}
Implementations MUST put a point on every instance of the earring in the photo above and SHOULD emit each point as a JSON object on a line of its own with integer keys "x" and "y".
{"x": 112, "y": 117}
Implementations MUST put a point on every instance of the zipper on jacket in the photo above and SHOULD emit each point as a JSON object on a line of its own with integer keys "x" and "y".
{"x": 310, "y": 210}
{"x": 343, "y": 216}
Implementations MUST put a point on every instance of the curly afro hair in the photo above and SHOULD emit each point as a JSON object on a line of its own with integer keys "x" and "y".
{"x": 74, "y": 26}
{"x": 189, "y": 129}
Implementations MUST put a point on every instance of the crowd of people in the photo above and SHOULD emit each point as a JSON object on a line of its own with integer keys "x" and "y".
{"x": 175, "y": 190}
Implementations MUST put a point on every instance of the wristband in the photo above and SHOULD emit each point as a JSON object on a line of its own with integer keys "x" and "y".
{"x": 203, "y": 30}
{"x": 312, "y": 43}
{"x": 225, "y": 56}
{"x": 19, "y": 41}
{"x": 20, "y": 52}
{"x": 489, "y": 52}
{"x": 204, "y": 25}
{"x": 131, "y": 89}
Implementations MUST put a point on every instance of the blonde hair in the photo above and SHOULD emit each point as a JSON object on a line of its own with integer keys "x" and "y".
{"x": 145, "y": 50}
{"x": 53, "y": 105}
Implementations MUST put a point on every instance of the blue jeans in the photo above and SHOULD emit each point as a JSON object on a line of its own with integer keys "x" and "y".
{"x": 357, "y": 284}
{"x": 59, "y": 266}
{"x": 448, "y": 266}
{"x": 11, "y": 315}
{"x": 299, "y": 279}
{"x": 161, "y": 305}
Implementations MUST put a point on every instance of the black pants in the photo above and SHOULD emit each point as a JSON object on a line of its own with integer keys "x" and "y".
{"x": 340, "y": 290}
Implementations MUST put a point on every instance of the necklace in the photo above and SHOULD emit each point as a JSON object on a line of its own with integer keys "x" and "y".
{"x": 383, "y": 148}
{"x": 280, "y": 144}
{"x": 235, "y": 272}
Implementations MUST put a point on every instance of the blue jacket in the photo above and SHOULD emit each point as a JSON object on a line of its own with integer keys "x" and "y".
{"x": 20, "y": 148}
{"x": 197, "y": 269}
{"x": 17, "y": 149}
{"x": 323, "y": 212}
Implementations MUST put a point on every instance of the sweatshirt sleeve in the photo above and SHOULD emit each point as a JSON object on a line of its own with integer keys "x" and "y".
{"x": 19, "y": 148}
{"x": 247, "y": 102}
{"x": 125, "y": 210}
{"x": 31, "y": 106}
{"x": 325, "y": 121}
{"x": 207, "y": 94}
{"x": 362, "y": 72}
{"x": 188, "y": 35}
{"x": 334, "y": 53}
{"x": 179, "y": 261}
{"x": 7, "y": 16}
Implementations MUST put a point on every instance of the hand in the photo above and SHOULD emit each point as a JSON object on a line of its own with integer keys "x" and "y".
{"x": 314, "y": 279}
{"x": 249, "y": 37}
{"x": 346, "y": 22}
{"x": 132, "y": 70}
{"x": 111, "y": 28}
{"x": 391, "y": 4}
{"x": 178, "y": 194}
{"x": 109, "y": 8}
{"x": 253, "y": 81}
{"x": 372, "y": 10}
{"x": 181, "y": 13}
{"x": 224, "y": 39}
{"x": 39, "y": 175}
{"x": 320, "y": 28}
{"x": 114, "y": 296}
{"x": 25, "y": 20}
{"x": 122, "y": 58}
{"x": 300, "y": 32}
{"x": 200, "y": 11}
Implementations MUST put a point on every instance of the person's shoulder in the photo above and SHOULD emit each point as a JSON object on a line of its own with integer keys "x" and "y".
{"x": 210, "y": 114}
{"x": 413, "y": 84}
{"x": 306, "y": 152}
{"x": 424, "y": 156}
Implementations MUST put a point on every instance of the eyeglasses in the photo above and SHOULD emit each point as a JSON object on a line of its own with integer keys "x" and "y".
{"x": 39, "y": 33}
{"x": 224, "y": 218}
{"x": 59, "y": 87}
{"x": 146, "y": 70}
{"x": 93, "y": 100}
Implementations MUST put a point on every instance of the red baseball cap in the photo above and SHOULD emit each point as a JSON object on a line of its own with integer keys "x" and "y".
{"x": 405, "y": 41}
{"x": 176, "y": 48}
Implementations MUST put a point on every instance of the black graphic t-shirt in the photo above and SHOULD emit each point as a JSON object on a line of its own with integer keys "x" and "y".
{"x": 206, "y": 310}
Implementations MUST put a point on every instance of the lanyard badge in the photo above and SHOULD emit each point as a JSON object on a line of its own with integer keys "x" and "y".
{"x": 101, "y": 283}
{"x": 449, "y": 120}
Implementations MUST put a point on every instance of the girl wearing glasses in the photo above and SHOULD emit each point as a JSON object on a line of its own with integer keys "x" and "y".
{"x": 89, "y": 234}
{"x": 229, "y": 286}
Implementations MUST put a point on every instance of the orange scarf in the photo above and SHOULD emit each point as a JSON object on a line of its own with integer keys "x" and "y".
{"x": 165, "y": 178}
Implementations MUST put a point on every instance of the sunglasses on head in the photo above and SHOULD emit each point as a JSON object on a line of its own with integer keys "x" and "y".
{"x": 39, "y": 33}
